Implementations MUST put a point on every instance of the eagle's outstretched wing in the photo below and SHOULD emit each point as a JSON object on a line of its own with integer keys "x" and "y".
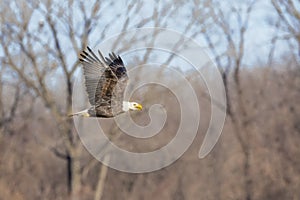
{"x": 105, "y": 81}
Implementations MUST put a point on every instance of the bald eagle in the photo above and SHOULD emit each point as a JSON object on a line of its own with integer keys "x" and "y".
{"x": 105, "y": 81}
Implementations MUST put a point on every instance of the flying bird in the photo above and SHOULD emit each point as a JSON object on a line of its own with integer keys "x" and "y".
{"x": 105, "y": 82}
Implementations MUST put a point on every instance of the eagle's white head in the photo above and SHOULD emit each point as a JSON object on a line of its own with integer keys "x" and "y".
{"x": 131, "y": 106}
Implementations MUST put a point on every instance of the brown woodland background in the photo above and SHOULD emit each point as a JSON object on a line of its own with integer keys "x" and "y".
{"x": 256, "y": 47}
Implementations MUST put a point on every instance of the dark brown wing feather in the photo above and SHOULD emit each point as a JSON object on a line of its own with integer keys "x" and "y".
{"x": 105, "y": 80}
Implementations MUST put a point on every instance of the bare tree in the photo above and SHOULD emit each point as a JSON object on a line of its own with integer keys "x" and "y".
{"x": 32, "y": 33}
{"x": 288, "y": 23}
{"x": 230, "y": 62}
{"x": 8, "y": 108}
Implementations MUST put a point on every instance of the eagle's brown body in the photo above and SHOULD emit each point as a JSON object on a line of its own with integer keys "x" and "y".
{"x": 105, "y": 81}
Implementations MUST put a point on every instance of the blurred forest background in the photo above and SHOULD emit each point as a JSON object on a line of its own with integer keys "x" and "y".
{"x": 255, "y": 45}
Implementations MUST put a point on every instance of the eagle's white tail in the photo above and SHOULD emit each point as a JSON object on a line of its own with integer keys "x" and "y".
{"x": 83, "y": 113}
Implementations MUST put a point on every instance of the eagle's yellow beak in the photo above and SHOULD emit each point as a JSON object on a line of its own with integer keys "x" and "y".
{"x": 138, "y": 106}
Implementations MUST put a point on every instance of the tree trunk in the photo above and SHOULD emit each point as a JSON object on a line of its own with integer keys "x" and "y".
{"x": 74, "y": 176}
{"x": 101, "y": 180}
{"x": 248, "y": 179}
